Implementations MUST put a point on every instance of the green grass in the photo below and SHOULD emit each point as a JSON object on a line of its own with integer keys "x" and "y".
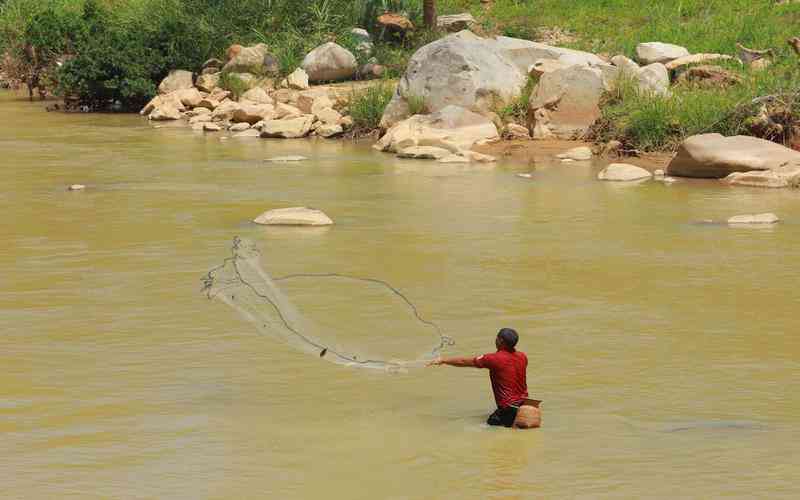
{"x": 367, "y": 106}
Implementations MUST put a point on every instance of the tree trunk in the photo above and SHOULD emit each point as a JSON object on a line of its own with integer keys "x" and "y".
{"x": 429, "y": 13}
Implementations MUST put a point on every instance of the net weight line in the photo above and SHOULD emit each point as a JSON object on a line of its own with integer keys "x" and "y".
{"x": 210, "y": 280}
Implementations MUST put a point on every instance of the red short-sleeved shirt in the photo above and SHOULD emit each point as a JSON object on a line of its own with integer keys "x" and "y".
{"x": 507, "y": 372}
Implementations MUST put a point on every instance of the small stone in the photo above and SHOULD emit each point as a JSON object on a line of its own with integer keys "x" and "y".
{"x": 297, "y": 80}
{"x": 211, "y": 127}
{"x": 239, "y": 127}
{"x": 294, "y": 216}
{"x": 659, "y": 172}
{"x": 754, "y": 219}
{"x": 286, "y": 159}
{"x": 525, "y": 176}
{"x": 581, "y": 153}
{"x": 76, "y": 187}
{"x": 453, "y": 158}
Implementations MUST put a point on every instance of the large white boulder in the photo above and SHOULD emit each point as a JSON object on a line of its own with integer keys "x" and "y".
{"x": 165, "y": 112}
{"x": 453, "y": 128}
{"x": 476, "y": 73}
{"x": 177, "y": 79}
{"x": 566, "y": 102}
{"x": 658, "y": 52}
{"x": 293, "y": 128}
{"x": 294, "y": 216}
{"x": 716, "y": 156}
{"x": 330, "y": 62}
{"x": 622, "y": 172}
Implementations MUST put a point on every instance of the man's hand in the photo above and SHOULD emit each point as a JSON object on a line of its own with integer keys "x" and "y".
{"x": 436, "y": 362}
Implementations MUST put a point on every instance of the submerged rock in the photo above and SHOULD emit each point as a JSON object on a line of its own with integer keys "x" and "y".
{"x": 76, "y": 187}
{"x": 581, "y": 153}
{"x": 424, "y": 153}
{"x": 294, "y": 216}
{"x": 286, "y": 159}
{"x": 754, "y": 219}
{"x": 622, "y": 172}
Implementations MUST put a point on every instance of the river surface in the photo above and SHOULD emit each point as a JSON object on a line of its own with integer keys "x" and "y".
{"x": 666, "y": 352}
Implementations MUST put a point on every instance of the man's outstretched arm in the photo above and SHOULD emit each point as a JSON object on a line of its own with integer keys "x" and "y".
{"x": 462, "y": 362}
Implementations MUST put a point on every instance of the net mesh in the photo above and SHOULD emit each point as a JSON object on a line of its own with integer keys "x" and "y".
{"x": 338, "y": 317}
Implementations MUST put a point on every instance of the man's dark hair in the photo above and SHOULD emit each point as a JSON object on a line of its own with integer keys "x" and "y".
{"x": 509, "y": 337}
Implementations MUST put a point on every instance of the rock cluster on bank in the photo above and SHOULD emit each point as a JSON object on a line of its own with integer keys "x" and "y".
{"x": 290, "y": 108}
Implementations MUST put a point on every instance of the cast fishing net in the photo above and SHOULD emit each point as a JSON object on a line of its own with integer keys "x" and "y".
{"x": 350, "y": 320}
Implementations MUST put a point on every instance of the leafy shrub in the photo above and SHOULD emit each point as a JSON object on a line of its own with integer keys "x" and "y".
{"x": 233, "y": 83}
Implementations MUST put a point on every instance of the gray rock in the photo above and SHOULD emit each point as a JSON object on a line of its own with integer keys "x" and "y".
{"x": 566, "y": 102}
{"x": 657, "y": 52}
{"x": 654, "y": 79}
{"x": 330, "y": 62}
{"x": 466, "y": 70}
{"x": 239, "y": 127}
{"x": 177, "y": 79}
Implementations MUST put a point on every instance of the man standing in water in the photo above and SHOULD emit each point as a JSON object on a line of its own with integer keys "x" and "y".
{"x": 507, "y": 369}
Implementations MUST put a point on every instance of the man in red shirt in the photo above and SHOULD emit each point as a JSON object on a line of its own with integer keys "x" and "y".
{"x": 507, "y": 369}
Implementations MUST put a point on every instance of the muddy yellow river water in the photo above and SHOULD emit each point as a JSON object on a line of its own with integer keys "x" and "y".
{"x": 666, "y": 352}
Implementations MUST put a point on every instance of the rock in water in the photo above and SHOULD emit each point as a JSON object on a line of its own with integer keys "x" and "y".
{"x": 177, "y": 79}
{"x": 755, "y": 219}
{"x": 657, "y": 52}
{"x": 294, "y": 216}
{"x": 76, "y": 187}
{"x": 330, "y": 62}
{"x": 424, "y": 153}
{"x": 622, "y": 172}
{"x": 453, "y": 128}
{"x": 286, "y": 159}
{"x": 715, "y": 156}
{"x": 581, "y": 153}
